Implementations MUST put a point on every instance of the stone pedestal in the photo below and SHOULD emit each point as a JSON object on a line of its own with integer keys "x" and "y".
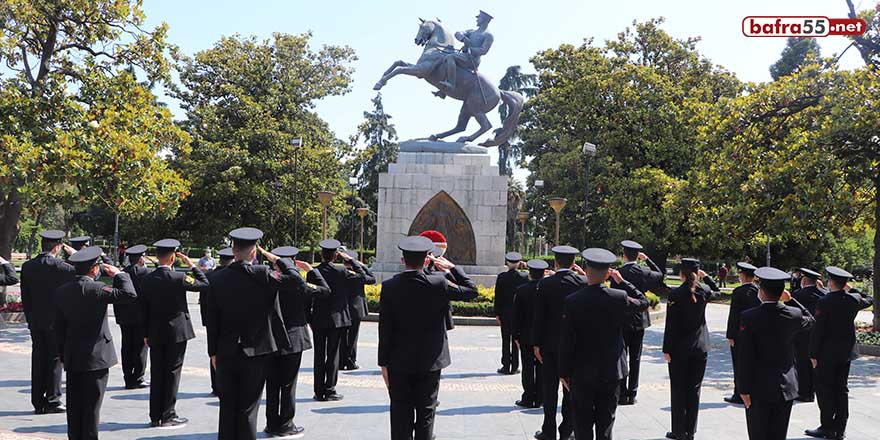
{"x": 461, "y": 195}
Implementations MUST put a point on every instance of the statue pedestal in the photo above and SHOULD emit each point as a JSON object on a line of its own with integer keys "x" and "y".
{"x": 460, "y": 195}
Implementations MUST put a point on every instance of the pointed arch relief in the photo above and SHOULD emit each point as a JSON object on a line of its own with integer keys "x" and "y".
{"x": 443, "y": 214}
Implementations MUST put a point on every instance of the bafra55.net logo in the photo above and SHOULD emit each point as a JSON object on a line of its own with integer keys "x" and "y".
{"x": 800, "y": 26}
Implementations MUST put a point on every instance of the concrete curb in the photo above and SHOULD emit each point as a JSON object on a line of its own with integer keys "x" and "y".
{"x": 491, "y": 322}
{"x": 869, "y": 350}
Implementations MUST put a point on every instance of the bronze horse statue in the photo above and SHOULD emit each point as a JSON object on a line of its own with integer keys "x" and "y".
{"x": 478, "y": 94}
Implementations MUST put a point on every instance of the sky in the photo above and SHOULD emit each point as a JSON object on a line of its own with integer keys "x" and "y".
{"x": 382, "y": 32}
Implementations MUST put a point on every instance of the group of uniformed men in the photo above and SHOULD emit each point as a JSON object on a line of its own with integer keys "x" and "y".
{"x": 581, "y": 327}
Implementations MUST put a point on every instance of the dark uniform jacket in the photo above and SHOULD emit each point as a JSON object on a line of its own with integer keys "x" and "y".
{"x": 549, "y": 302}
{"x": 332, "y": 311}
{"x": 294, "y": 301}
{"x": 809, "y": 296}
{"x": 524, "y": 312}
{"x": 203, "y": 295}
{"x": 743, "y": 298}
{"x": 7, "y": 275}
{"x": 686, "y": 329}
{"x": 834, "y": 335}
{"x": 131, "y": 313}
{"x": 413, "y": 307}
{"x": 84, "y": 339}
{"x": 241, "y": 307}
{"x": 457, "y": 276}
{"x": 165, "y": 311}
{"x": 40, "y": 277}
{"x": 591, "y": 346}
{"x": 644, "y": 279}
{"x": 357, "y": 300}
{"x": 505, "y": 285}
{"x": 765, "y": 348}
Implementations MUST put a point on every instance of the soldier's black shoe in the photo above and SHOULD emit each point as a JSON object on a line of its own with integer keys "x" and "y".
{"x": 734, "y": 400}
{"x": 154, "y": 424}
{"x": 173, "y": 423}
{"x": 344, "y": 367}
{"x": 54, "y": 409}
{"x": 673, "y": 436}
{"x": 333, "y": 397}
{"x": 502, "y": 370}
{"x": 319, "y": 398}
{"x": 295, "y": 432}
{"x": 523, "y": 403}
{"x": 541, "y": 436}
{"x": 821, "y": 433}
{"x": 353, "y": 366}
{"x": 805, "y": 399}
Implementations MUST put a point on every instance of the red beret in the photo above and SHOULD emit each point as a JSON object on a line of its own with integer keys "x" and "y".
{"x": 434, "y": 236}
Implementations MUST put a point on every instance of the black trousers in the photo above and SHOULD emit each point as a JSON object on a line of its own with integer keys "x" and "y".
{"x": 833, "y": 394}
{"x": 85, "y": 392}
{"x": 550, "y": 389}
{"x": 281, "y": 376}
{"x": 804, "y": 366}
{"x": 327, "y": 342}
{"x": 348, "y": 354}
{"x": 166, "y": 362}
{"x": 768, "y": 420}
{"x": 241, "y": 382}
{"x": 594, "y": 405}
{"x": 45, "y": 370}
{"x": 134, "y": 353}
{"x": 686, "y": 377}
{"x": 734, "y": 361}
{"x": 532, "y": 381}
{"x": 413, "y": 403}
{"x": 215, "y": 387}
{"x": 509, "y": 350}
{"x": 632, "y": 339}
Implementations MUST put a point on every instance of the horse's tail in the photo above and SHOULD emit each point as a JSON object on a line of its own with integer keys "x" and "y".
{"x": 514, "y": 103}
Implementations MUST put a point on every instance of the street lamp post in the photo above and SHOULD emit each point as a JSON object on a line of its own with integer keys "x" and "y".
{"x": 296, "y": 144}
{"x": 539, "y": 186}
{"x": 589, "y": 151}
{"x": 116, "y": 240}
{"x": 353, "y": 181}
{"x": 557, "y": 203}
{"x": 325, "y": 197}
{"x": 523, "y": 216}
{"x": 362, "y": 212}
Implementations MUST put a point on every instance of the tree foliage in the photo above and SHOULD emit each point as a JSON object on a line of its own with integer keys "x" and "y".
{"x": 794, "y": 56}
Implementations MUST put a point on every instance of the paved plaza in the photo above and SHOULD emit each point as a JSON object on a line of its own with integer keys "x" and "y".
{"x": 475, "y": 402}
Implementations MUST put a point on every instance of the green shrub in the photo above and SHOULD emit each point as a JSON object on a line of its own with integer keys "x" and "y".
{"x": 868, "y": 338}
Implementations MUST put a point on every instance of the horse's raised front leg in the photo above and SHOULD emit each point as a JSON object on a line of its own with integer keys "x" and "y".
{"x": 485, "y": 125}
{"x": 463, "y": 117}
{"x": 387, "y": 75}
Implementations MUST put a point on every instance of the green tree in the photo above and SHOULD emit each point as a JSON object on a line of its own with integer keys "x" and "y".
{"x": 526, "y": 84}
{"x": 77, "y": 126}
{"x": 794, "y": 56}
{"x": 245, "y": 100}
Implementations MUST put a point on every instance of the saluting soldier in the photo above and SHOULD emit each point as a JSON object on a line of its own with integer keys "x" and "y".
{"x": 768, "y": 376}
{"x": 283, "y": 366}
{"x": 224, "y": 257}
{"x": 129, "y": 316}
{"x": 808, "y": 295}
{"x": 592, "y": 358}
{"x": 645, "y": 278}
{"x": 686, "y": 345}
{"x": 169, "y": 327}
{"x": 357, "y": 307}
{"x": 241, "y": 336}
{"x": 330, "y": 318}
{"x": 522, "y": 328}
{"x": 833, "y": 348}
{"x": 549, "y": 302}
{"x": 505, "y": 285}
{"x": 85, "y": 241}
{"x": 84, "y": 337}
{"x": 743, "y": 298}
{"x": 40, "y": 277}
{"x": 413, "y": 346}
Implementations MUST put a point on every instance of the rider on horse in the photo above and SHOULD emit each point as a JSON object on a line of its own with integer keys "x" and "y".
{"x": 476, "y": 44}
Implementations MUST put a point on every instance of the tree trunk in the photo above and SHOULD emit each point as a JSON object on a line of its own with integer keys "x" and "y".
{"x": 876, "y": 274}
{"x": 10, "y": 213}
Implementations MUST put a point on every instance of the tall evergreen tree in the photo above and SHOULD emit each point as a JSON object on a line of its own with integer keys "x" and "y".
{"x": 527, "y": 85}
{"x": 794, "y": 56}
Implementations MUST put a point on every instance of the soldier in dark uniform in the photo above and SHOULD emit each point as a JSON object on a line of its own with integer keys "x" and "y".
{"x": 743, "y": 298}
{"x": 357, "y": 308}
{"x": 454, "y": 275}
{"x": 549, "y": 301}
{"x": 224, "y": 258}
{"x": 134, "y": 350}
{"x": 505, "y": 285}
{"x": 7, "y": 278}
{"x": 686, "y": 345}
{"x": 521, "y": 325}
{"x": 645, "y": 278}
{"x": 40, "y": 277}
{"x": 413, "y": 347}
{"x": 808, "y": 295}
{"x": 166, "y": 315}
{"x": 330, "y": 318}
{"x": 84, "y": 338}
{"x": 84, "y": 241}
{"x": 283, "y": 366}
{"x": 767, "y": 373}
{"x": 241, "y": 331}
{"x": 592, "y": 358}
{"x": 833, "y": 348}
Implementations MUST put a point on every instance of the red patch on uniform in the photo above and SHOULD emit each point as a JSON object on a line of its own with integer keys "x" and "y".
{"x": 276, "y": 274}
{"x": 742, "y": 328}
{"x": 818, "y": 312}
{"x": 107, "y": 289}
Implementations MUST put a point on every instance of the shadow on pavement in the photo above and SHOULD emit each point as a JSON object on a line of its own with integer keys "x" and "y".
{"x": 476, "y": 410}
{"x": 366, "y": 409}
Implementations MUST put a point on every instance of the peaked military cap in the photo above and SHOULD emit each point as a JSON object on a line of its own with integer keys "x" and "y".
{"x": 286, "y": 251}
{"x": 772, "y": 274}
{"x": 52, "y": 235}
{"x": 598, "y": 257}
{"x": 629, "y": 244}
{"x": 746, "y": 267}
{"x": 330, "y": 244}
{"x": 838, "y": 273}
{"x": 809, "y": 273}
{"x": 537, "y": 264}
{"x": 513, "y": 257}
{"x": 138, "y": 249}
{"x": 86, "y": 256}
{"x": 415, "y": 244}
{"x": 485, "y": 14}
{"x": 245, "y": 236}
{"x": 690, "y": 263}
{"x": 225, "y": 253}
{"x": 352, "y": 253}
{"x": 166, "y": 245}
{"x": 80, "y": 240}
{"x": 564, "y": 250}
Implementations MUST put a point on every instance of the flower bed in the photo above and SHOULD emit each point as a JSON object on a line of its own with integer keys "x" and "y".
{"x": 866, "y": 335}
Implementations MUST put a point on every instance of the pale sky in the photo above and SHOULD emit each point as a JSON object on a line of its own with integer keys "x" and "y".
{"x": 382, "y": 32}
